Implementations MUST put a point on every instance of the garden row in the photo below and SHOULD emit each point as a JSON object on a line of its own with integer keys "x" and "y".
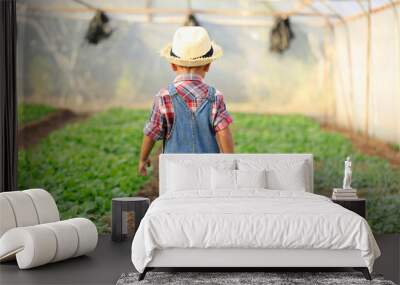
{"x": 85, "y": 164}
{"x": 28, "y": 113}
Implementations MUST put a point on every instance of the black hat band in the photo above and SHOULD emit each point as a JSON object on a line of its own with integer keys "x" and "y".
{"x": 207, "y": 54}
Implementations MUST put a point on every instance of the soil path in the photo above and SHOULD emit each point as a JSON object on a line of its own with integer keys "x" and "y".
{"x": 32, "y": 133}
{"x": 369, "y": 146}
{"x": 150, "y": 189}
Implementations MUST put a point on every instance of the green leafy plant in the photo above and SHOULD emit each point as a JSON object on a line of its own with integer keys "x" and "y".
{"x": 28, "y": 113}
{"x": 85, "y": 164}
{"x": 372, "y": 176}
{"x": 396, "y": 146}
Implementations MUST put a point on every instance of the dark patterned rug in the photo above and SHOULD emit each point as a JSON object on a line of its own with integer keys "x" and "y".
{"x": 269, "y": 278}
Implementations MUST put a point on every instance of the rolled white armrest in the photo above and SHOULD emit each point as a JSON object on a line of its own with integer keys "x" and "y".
{"x": 26, "y": 208}
{"x": 45, "y": 205}
{"x": 33, "y": 246}
{"x": 7, "y": 218}
{"x": 40, "y": 244}
{"x": 88, "y": 235}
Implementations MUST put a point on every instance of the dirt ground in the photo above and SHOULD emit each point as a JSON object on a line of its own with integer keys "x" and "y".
{"x": 150, "y": 189}
{"x": 369, "y": 146}
{"x": 30, "y": 134}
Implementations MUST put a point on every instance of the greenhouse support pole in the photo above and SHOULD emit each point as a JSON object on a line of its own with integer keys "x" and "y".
{"x": 368, "y": 71}
{"x": 149, "y": 15}
{"x": 332, "y": 99}
{"x": 391, "y": 4}
{"x": 8, "y": 96}
{"x": 397, "y": 43}
{"x": 348, "y": 107}
{"x": 368, "y": 67}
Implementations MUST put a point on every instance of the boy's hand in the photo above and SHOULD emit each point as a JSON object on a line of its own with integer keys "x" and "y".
{"x": 144, "y": 160}
{"x": 142, "y": 166}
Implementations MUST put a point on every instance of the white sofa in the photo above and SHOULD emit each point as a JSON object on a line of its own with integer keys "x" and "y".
{"x": 31, "y": 231}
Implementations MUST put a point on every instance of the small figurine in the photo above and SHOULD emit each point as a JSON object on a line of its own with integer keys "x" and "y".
{"x": 347, "y": 174}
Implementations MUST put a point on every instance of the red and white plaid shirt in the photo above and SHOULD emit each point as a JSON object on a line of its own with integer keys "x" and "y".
{"x": 193, "y": 91}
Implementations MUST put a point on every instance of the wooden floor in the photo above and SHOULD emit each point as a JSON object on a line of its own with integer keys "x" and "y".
{"x": 110, "y": 260}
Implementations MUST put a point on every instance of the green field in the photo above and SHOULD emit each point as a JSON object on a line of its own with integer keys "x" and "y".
{"x": 28, "y": 113}
{"x": 86, "y": 164}
{"x": 372, "y": 176}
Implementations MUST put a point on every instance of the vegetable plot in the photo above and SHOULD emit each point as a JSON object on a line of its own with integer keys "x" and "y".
{"x": 85, "y": 164}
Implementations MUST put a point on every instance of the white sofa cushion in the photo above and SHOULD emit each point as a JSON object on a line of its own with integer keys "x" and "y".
{"x": 23, "y": 209}
{"x": 32, "y": 246}
{"x": 26, "y": 208}
{"x": 87, "y": 233}
{"x": 45, "y": 205}
{"x": 40, "y": 244}
{"x": 7, "y": 220}
{"x": 67, "y": 240}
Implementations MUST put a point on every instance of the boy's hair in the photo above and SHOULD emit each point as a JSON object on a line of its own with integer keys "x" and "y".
{"x": 192, "y": 67}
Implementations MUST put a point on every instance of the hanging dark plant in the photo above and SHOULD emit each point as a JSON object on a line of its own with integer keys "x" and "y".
{"x": 281, "y": 35}
{"x": 191, "y": 21}
{"x": 99, "y": 28}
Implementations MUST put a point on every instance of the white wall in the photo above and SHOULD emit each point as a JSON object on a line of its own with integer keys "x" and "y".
{"x": 384, "y": 96}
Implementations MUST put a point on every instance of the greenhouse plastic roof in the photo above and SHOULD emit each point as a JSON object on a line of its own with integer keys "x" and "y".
{"x": 240, "y": 12}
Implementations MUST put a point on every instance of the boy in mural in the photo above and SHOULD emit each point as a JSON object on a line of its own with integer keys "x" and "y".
{"x": 189, "y": 116}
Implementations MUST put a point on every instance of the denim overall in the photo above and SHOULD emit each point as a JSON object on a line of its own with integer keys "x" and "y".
{"x": 192, "y": 132}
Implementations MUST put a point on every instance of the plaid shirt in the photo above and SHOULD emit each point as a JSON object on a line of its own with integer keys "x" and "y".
{"x": 193, "y": 91}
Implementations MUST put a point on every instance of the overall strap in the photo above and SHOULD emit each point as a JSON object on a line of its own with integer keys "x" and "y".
{"x": 211, "y": 99}
{"x": 171, "y": 92}
{"x": 211, "y": 94}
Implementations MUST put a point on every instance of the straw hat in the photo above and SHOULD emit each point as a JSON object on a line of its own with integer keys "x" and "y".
{"x": 191, "y": 46}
